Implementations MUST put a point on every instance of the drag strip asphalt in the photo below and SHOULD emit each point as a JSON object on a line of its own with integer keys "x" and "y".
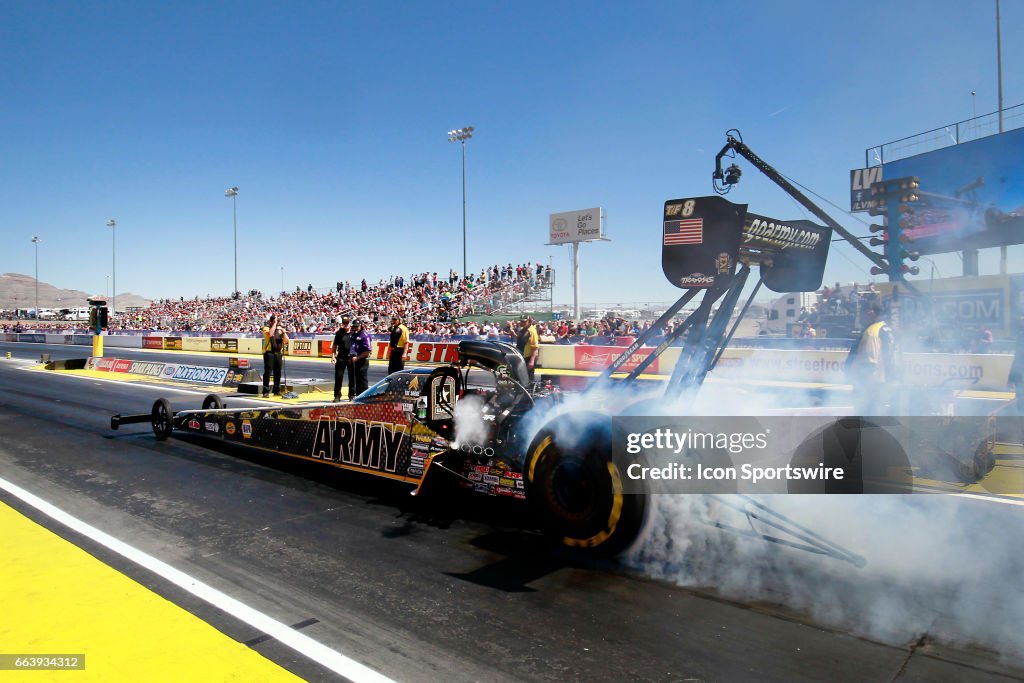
{"x": 414, "y": 589}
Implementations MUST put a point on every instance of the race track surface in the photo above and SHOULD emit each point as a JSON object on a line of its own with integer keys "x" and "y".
{"x": 416, "y": 590}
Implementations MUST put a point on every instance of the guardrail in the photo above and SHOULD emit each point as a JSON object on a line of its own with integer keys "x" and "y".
{"x": 948, "y": 370}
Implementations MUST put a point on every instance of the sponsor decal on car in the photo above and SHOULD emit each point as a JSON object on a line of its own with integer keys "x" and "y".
{"x": 211, "y": 427}
{"x": 362, "y": 443}
{"x": 490, "y": 479}
{"x": 246, "y": 429}
{"x": 230, "y": 428}
{"x": 194, "y": 424}
{"x": 475, "y": 476}
{"x": 697, "y": 279}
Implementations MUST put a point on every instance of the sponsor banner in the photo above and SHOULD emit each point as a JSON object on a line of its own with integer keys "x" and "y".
{"x": 242, "y": 363}
{"x": 32, "y": 338}
{"x": 195, "y": 343}
{"x": 420, "y": 352}
{"x": 169, "y": 370}
{"x": 234, "y": 376}
{"x": 325, "y": 348}
{"x": 954, "y": 371}
{"x": 152, "y": 342}
{"x": 172, "y": 344}
{"x": 224, "y": 345}
{"x": 103, "y": 364}
{"x": 300, "y": 347}
{"x": 121, "y": 365}
{"x": 141, "y": 367}
{"x": 196, "y": 373}
{"x": 600, "y": 357}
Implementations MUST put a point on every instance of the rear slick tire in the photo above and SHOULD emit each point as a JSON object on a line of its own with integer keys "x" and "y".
{"x": 575, "y": 489}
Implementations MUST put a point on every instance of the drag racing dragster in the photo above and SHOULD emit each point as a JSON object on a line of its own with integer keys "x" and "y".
{"x": 426, "y": 427}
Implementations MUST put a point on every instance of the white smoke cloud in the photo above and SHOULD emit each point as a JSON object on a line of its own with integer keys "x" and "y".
{"x": 942, "y": 566}
{"x": 939, "y": 566}
{"x": 470, "y": 427}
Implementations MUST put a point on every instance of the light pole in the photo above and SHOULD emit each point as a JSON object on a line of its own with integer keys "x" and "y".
{"x": 36, "y": 241}
{"x": 461, "y": 135}
{"x": 112, "y": 224}
{"x": 233, "y": 193}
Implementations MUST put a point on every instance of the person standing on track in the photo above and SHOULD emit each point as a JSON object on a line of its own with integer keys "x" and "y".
{"x": 359, "y": 353}
{"x": 871, "y": 365}
{"x": 342, "y": 361}
{"x": 274, "y": 341}
{"x": 527, "y": 341}
{"x": 399, "y": 340}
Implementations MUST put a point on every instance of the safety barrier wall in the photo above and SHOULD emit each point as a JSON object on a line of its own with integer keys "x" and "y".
{"x": 952, "y": 371}
{"x": 250, "y": 346}
{"x": 123, "y": 341}
{"x": 195, "y": 343}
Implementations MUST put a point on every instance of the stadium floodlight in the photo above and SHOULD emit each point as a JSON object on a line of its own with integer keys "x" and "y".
{"x": 112, "y": 224}
{"x": 233, "y": 193}
{"x": 460, "y": 135}
{"x": 36, "y": 241}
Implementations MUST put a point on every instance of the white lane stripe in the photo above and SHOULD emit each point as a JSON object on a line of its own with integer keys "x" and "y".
{"x": 318, "y": 652}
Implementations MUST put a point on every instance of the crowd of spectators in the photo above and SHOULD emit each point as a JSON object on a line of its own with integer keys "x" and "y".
{"x": 425, "y": 301}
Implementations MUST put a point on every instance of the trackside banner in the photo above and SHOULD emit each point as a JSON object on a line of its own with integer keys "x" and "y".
{"x": 420, "y": 352}
{"x": 600, "y": 357}
{"x": 193, "y": 374}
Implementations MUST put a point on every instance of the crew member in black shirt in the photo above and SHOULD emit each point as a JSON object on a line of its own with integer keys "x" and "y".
{"x": 342, "y": 361}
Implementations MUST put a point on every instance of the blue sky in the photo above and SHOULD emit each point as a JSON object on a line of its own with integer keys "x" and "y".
{"x": 331, "y": 118}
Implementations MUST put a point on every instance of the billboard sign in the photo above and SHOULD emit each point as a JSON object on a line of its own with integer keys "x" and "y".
{"x": 971, "y": 195}
{"x": 585, "y": 225}
{"x": 861, "y": 180}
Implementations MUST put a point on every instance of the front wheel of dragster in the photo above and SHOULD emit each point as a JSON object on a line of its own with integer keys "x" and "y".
{"x": 575, "y": 488}
{"x": 213, "y": 402}
{"x": 162, "y": 421}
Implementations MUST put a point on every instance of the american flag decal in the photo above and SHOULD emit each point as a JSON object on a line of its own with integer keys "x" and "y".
{"x": 685, "y": 231}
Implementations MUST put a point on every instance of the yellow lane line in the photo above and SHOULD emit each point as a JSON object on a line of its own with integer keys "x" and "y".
{"x": 57, "y": 598}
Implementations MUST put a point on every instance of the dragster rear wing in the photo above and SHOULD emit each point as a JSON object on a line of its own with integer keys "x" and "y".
{"x": 703, "y": 239}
